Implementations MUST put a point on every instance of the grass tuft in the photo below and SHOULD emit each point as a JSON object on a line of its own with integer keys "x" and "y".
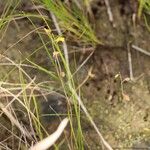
{"x": 72, "y": 20}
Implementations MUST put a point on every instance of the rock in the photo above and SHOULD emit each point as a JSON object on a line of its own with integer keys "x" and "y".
{"x": 53, "y": 107}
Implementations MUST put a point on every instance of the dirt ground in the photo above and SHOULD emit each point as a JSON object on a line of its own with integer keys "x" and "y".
{"x": 122, "y": 115}
{"x": 119, "y": 107}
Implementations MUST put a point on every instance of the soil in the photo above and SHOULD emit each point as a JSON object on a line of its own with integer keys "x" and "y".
{"x": 120, "y": 107}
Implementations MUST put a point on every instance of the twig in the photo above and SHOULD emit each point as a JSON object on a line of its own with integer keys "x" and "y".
{"x": 14, "y": 121}
{"x": 83, "y": 63}
{"x": 106, "y": 144}
{"x": 50, "y": 140}
{"x": 130, "y": 62}
{"x": 78, "y": 4}
{"x": 60, "y": 34}
{"x": 141, "y": 50}
{"x": 109, "y": 12}
{"x": 21, "y": 39}
{"x": 33, "y": 8}
{"x": 15, "y": 96}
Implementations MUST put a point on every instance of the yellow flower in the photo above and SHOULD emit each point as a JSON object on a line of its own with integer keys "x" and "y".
{"x": 60, "y": 39}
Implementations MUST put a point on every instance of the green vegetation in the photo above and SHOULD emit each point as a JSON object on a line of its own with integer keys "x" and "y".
{"x": 72, "y": 20}
{"x": 26, "y": 78}
{"x": 144, "y": 4}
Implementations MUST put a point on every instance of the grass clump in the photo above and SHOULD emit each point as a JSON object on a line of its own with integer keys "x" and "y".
{"x": 144, "y": 5}
{"x": 23, "y": 91}
{"x": 72, "y": 20}
{"x": 74, "y": 24}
